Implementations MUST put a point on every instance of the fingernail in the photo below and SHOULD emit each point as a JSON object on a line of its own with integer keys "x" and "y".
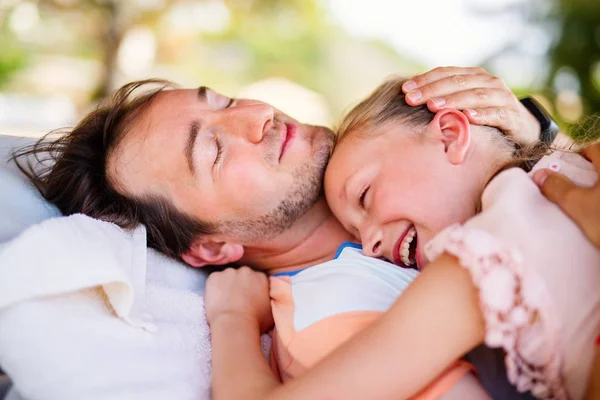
{"x": 473, "y": 113}
{"x": 539, "y": 177}
{"x": 415, "y": 95}
{"x": 409, "y": 85}
{"x": 439, "y": 102}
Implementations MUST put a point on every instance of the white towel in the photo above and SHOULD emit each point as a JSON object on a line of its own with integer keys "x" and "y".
{"x": 67, "y": 254}
{"x": 86, "y": 312}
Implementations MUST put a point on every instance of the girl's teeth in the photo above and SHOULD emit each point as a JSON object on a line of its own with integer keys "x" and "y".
{"x": 405, "y": 247}
{"x": 410, "y": 236}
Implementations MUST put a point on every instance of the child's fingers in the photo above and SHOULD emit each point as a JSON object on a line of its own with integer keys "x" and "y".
{"x": 437, "y": 74}
{"x": 572, "y": 199}
{"x": 557, "y": 188}
{"x": 592, "y": 153}
{"x": 457, "y": 83}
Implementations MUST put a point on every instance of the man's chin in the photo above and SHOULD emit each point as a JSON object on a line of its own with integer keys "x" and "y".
{"x": 322, "y": 140}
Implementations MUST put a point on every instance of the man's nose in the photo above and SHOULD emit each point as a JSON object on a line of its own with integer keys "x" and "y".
{"x": 371, "y": 238}
{"x": 249, "y": 122}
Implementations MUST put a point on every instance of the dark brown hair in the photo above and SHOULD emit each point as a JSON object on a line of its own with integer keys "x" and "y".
{"x": 70, "y": 172}
{"x": 387, "y": 104}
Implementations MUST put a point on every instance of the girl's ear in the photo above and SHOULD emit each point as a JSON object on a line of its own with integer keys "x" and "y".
{"x": 454, "y": 130}
{"x": 208, "y": 252}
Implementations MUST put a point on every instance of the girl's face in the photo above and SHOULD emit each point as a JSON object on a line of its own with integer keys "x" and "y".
{"x": 395, "y": 190}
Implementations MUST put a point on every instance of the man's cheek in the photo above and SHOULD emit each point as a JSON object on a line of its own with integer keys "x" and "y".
{"x": 251, "y": 186}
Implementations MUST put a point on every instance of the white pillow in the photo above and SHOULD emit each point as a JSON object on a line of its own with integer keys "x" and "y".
{"x": 72, "y": 345}
{"x": 21, "y": 205}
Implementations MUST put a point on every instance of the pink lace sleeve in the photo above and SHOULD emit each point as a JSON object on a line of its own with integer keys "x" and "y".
{"x": 515, "y": 305}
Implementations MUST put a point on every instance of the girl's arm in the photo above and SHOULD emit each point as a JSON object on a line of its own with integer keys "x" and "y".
{"x": 238, "y": 310}
{"x": 435, "y": 322}
{"x": 238, "y": 364}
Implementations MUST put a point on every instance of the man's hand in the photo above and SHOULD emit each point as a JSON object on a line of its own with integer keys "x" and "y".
{"x": 581, "y": 204}
{"x": 239, "y": 293}
{"x": 485, "y": 99}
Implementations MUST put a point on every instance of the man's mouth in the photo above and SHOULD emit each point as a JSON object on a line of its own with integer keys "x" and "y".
{"x": 405, "y": 249}
{"x": 289, "y": 132}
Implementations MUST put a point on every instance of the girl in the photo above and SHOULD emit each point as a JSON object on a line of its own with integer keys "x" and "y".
{"x": 519, "y": 275}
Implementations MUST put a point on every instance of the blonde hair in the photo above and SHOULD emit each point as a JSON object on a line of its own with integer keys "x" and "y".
{"x": 387, "y": 104}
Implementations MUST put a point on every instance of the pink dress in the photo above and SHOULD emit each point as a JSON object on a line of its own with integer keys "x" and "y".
{"x": 538, "y": 278}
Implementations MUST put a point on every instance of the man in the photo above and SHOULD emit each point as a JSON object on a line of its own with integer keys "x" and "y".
{"x": 219, "y": 180}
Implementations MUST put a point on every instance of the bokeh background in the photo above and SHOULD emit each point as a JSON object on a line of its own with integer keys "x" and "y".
{"x": 312, "y": 58}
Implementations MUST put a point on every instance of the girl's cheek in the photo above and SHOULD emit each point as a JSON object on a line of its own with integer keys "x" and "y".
{"x": 390, "y": 202}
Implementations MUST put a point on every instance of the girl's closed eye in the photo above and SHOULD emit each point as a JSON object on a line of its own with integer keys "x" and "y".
{"x": 363, "y": 197}
{"x": 219, "y": 150}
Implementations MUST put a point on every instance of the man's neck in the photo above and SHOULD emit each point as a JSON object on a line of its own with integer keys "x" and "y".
{"x": 313, "y": 239}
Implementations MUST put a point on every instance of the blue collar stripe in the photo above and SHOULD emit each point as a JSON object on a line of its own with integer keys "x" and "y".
{"x": 347, "y": 244}
{"x": 289, "y": 273}
{"x": 337, "y": 254}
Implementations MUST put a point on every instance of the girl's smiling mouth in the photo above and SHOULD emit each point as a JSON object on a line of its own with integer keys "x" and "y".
{"x": 405, "y": 249}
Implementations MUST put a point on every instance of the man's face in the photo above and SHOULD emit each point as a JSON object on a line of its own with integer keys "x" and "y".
{"x": 240, "y": 164}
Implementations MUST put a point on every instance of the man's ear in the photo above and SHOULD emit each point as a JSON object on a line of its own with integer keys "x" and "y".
{"x": 209, "y": 252}
{"x": 455, "y": 132}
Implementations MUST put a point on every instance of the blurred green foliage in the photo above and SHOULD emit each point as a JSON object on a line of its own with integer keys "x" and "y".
{"x": 578, "y": 47}
{"x": 13, "y": 57}
{"x": 287, "y": 39}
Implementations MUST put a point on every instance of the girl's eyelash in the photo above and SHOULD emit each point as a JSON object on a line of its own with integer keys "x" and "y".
{"x": 219, "y": 149}
{"x": 361, "y": 199}
{"x": 230, "y": 103}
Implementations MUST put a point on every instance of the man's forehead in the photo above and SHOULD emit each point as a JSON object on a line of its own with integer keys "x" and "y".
{"x": 140, "y": 159}
{"x": 168, "y": 111}
{"x": 188, "y": 95}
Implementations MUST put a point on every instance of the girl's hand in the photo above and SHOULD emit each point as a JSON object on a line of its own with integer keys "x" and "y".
{"x": 239, "y": 293}
{"x": 485, "y": 99}
{"x": 581, "y": 204}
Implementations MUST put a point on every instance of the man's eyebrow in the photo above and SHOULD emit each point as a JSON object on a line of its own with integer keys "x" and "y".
{"x": 189, "y": 147}
{"x": 193, "y": 134}
{"x": 202, "y": 93}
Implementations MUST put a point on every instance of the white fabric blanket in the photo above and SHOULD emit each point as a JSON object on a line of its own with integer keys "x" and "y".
{"x": 86, "y": 312}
